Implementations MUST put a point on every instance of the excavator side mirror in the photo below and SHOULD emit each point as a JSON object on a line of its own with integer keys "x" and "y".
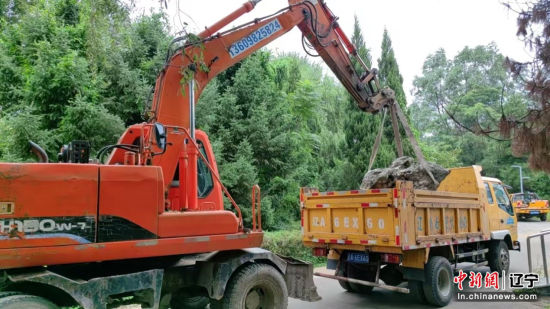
{"x": 160, "y": 136}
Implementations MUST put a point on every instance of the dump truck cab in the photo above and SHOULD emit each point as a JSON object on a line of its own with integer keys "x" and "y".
{"x": 528, "y": 204}
{"x": 502, "y": 221}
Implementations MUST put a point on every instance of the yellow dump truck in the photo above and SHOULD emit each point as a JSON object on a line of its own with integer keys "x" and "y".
{"x": 404, "y": 234}
{"x": 529, "y": 205}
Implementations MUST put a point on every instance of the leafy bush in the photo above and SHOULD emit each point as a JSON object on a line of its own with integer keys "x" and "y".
{"x": 289, "y": 243}
{"x": 84, "y": 120}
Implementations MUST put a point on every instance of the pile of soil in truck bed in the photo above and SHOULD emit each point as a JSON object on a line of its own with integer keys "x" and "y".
{"x": 404, "y": 168}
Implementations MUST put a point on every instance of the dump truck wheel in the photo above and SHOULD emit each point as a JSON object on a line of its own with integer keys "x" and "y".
{"x": 360, "y": 273}
{"x": 417, "y": 290}
{"x": 254, "y": 286}
{"x": 499, "y": 256}
{"x": 438, "y": 285}
{"x": 543, "y": 217}
{"x": 391, "y": 274}
{"x": 26, "y": 301}
{"x": 340, "y": 271}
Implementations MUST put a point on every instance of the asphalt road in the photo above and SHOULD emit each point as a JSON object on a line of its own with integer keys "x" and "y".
{"x": 336, "y": 297}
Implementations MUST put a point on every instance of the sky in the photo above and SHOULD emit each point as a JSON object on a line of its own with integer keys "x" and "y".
{"x": 417, "y": 28}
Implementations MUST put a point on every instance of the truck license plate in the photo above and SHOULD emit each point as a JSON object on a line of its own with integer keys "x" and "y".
{"x": 358, "y": 257}
{"x": 534, "y": 212}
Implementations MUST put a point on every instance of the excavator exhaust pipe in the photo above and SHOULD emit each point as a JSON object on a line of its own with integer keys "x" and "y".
{"x": 39, "y": 152}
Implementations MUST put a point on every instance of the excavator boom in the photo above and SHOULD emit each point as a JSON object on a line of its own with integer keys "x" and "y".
{"x": 204, "y": 56}
{"x": 212, "y": 52}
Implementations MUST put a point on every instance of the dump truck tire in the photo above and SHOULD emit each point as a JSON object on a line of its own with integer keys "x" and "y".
{"x": 438, "y": 285}
{"x": 26, "y": 301}
{"x": 543, "y": 217}
{"x": 391, "y": 274}
{"x": 359, "y": 273}
{"x": 499, "y": 256}
{"x": 254, "y": 286}
{"x": 417, "y": 290}
{"x": 341, "y": 271}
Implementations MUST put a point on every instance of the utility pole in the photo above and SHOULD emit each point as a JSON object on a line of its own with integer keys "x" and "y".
{"x": 521, "y": 178}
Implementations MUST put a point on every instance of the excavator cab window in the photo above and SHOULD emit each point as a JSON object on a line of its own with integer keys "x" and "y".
{"x": 205, "y": 182}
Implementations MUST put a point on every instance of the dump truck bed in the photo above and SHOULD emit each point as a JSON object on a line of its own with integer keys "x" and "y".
{"x": 400, "y": 218}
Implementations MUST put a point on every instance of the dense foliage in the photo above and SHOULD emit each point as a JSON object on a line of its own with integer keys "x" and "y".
{"x": 73, "y": 70}
{"x": 84, "y": 70}
{"x": 289, "y": 243}
{"x": 276, "y": 122}
{"x": 529, "y": 132}
{"x": 360, "y": 129}
{"x": 455, "y": 99}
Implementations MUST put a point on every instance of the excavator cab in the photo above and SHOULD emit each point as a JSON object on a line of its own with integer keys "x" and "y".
{"x": 209, "y": 193}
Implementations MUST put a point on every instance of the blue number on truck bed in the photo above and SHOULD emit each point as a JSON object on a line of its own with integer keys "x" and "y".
{"x": 254, "y": 38}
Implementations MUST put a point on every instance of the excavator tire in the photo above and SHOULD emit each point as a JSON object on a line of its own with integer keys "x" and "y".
{"x": 194, "y": 302}
{"x": 254, "y": 286}
{"x": 26, "y": 301}
{"x": 8, "y": 293}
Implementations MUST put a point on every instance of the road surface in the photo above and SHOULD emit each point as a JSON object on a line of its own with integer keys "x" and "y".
{"x": 335, "y": 297}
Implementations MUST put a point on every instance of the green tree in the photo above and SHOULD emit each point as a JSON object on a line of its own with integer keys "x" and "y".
{"x": 289, "y": 119}
{"x": 62, "y": 57}
{"x": 390, "y": 76}
{"x": 456, "y": 98}
{"x": 529, "y": 132}
{"x": 358, "y": 41}
{"x": 82, "y": 120}
{"x": 360, "y": 128}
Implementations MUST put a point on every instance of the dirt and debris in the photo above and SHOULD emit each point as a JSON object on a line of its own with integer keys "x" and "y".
{"x": 404, "y": 168}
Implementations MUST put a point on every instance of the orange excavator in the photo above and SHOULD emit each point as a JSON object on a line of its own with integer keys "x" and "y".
{"x": 150, "y": 222}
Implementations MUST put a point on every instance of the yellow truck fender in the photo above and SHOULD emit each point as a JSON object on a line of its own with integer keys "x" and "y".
{"x": 506, "y": 237}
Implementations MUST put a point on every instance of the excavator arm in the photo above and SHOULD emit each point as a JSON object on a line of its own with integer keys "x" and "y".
{"x": 212, "y": 52}
{"x": 201, "y": 57}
